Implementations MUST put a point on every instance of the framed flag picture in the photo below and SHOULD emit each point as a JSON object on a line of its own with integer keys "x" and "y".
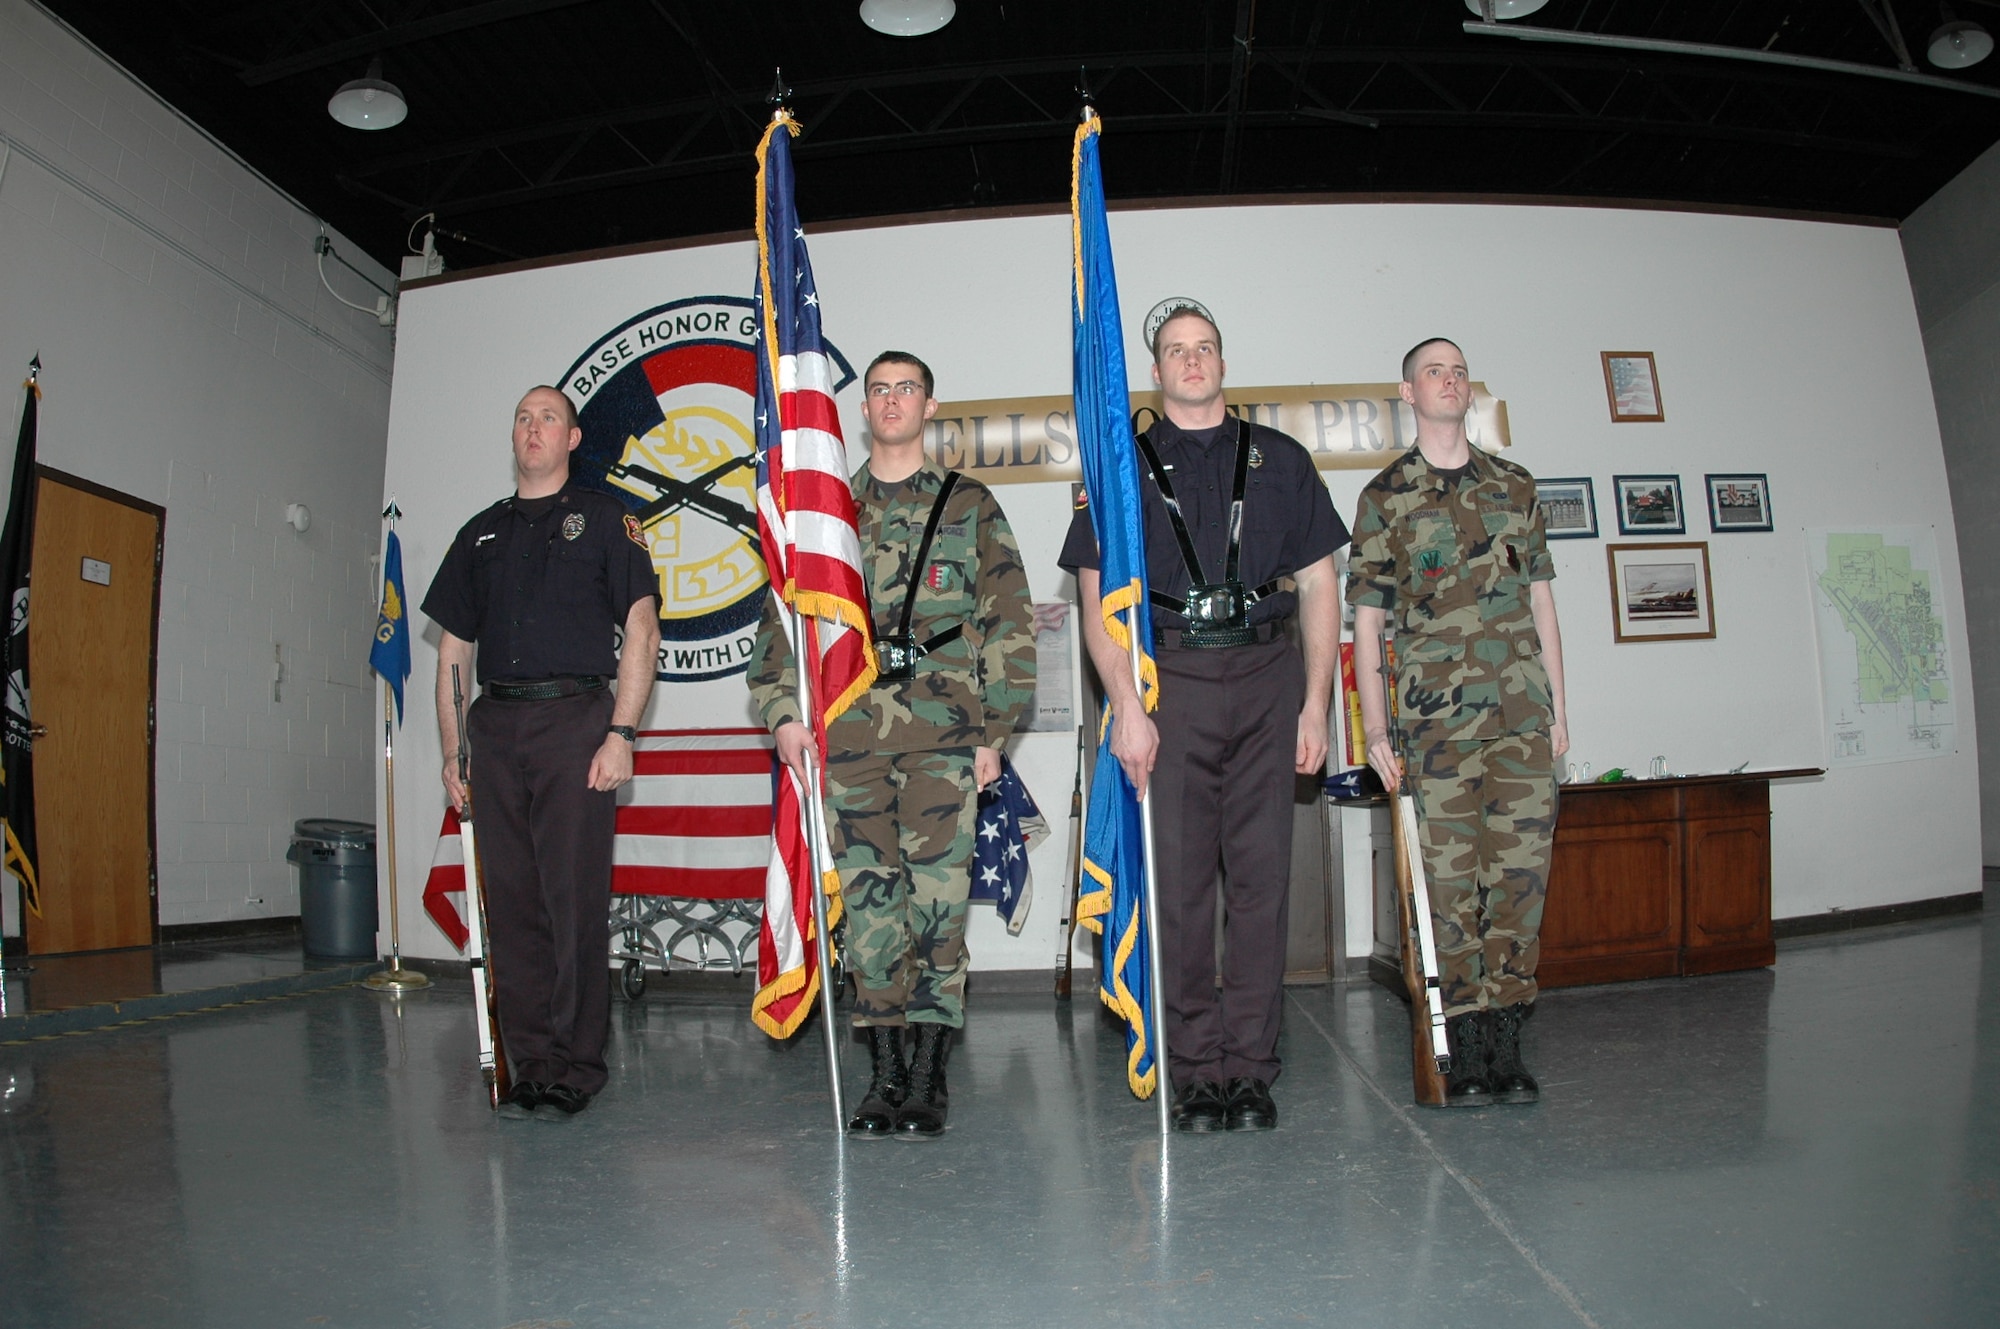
{"x": 1739, "y": 503}
{"x": 1632, "y": 382}
{"x": 1569, "y": 508}
{"x": 1649, "y": 505}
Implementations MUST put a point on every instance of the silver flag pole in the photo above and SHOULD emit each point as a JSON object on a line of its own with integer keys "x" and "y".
{"x": 1156, "y": 1019}
{"x": 814, "y": 817}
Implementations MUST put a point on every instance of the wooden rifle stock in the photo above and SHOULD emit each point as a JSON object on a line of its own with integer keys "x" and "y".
{"x": 1073, "y": 880}
{"x": 1427, "y": 1068}
{"x": 1430, "y": 1056}
{"x": 485, "y": 996}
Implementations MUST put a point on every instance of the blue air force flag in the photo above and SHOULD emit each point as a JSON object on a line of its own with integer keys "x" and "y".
{"x": 1112, "y": 901}
{"x": 390, "y": 655}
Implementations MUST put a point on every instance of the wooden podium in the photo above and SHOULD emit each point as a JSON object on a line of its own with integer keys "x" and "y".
{"x": 1656, "y": 878}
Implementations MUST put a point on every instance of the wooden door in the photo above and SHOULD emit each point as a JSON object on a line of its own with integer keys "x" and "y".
{"x": 92, "y": 612}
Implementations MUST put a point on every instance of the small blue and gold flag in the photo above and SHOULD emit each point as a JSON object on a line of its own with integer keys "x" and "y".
{"x": 390, "y": 655}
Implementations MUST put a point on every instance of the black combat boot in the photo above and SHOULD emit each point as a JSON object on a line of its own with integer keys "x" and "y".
{"x": 1510, "y": 1079}
{"x": 923, "y": 1110}
{"x": 888, "y": 1083}
{"x": 1470, "y": 1042}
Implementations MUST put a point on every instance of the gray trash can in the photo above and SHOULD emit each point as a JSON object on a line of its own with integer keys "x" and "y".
{"x": 336, "y": 886}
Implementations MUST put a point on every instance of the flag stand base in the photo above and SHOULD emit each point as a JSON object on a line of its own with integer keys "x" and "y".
{"x": 396, "y": 980}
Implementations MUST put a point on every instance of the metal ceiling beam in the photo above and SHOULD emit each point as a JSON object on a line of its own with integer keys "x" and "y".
{"x": 670, "y": 169}
{"x": 964, "y": 80}
{"x": 1703, "y": 50}
{"x": 402, "y": 34}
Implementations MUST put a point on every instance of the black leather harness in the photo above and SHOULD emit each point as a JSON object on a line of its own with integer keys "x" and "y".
{"x": 1217, "y": 612}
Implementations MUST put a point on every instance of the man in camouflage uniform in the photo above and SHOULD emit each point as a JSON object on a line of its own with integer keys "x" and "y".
{"x": 906, "y": 761}
{"x": 1449, "y": 539}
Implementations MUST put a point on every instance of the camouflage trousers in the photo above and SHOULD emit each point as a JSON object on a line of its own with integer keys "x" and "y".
{"x": 903, "y": 828}
{"x": 1489, "y": 819}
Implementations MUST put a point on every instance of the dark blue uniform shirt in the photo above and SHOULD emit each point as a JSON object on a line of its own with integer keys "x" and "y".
{"x": 1288, "y": 518}
{"x": 543, "y": 587}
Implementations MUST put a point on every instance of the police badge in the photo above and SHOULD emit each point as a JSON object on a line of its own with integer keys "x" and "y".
{"x": 572, "y": 525}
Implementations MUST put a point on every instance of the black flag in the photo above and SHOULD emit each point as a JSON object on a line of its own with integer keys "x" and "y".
{"x": 17, "y": 752}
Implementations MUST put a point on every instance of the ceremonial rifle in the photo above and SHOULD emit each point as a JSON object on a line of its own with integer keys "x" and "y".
{"x": 1430, "y": 1054}
{"x": 1073, "y": 881}
{"x": 485, "y": 997}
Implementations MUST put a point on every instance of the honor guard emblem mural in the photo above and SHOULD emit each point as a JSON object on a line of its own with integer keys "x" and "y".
{"x": 664, "y": 402}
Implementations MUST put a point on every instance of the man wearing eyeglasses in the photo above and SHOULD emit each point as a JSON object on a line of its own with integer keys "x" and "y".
{"x": 955, "y": 646}
{"x": 1240, "y": 535}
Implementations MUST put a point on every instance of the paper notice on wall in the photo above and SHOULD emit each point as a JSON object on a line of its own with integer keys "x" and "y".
{"x": 1884, "y": 645}
{"x": 1055, "y": 670}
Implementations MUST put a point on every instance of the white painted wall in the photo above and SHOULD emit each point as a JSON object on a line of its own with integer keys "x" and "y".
{"x": 192, "y": 358}
{"x": 1954, "y": 259}
{"x": 1784, "y": 347}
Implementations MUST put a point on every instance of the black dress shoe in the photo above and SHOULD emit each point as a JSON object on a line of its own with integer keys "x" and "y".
{"x": 1250, "y": 1106}
{"x": 566, "y": 1097}
{"x": 522, "y": 1099}
{"x": 1201, "y": 1107}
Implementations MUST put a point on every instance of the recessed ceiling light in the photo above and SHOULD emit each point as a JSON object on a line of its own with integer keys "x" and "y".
{"x": 1506, "y": 9}
{"x": 1958, "y": 44}
{"x": 907, "y": 18}
{"x": 369, "y": 103}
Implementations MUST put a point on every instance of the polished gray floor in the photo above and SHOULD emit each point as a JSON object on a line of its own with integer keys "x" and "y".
{"x": 1810, "y": 1145}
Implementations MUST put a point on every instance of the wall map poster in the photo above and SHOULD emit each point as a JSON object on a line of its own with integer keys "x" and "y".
{"x": 1884, "y": 648}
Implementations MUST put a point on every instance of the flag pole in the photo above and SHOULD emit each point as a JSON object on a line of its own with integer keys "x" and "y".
{"x": 395, "y": 978}
{"x": 1156, "y": 1019}
{"x": 814, "y": 820}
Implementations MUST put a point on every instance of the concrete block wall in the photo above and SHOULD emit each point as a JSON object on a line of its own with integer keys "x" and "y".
{"x": 192, "y": 358}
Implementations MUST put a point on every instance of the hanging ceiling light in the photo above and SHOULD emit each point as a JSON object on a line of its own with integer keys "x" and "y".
{"x": 1505, "y": 9}
{"x": 1958, "y": 44}
{"x": 369, "y": 103}
{"x": 907, "y": 18}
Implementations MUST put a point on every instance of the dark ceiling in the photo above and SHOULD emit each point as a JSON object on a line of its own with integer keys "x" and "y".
{"x": 541, "y": 127}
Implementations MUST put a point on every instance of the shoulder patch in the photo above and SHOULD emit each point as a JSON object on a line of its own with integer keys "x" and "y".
{"x": 1082, "y": 498}
{"x": 635, "y": 534}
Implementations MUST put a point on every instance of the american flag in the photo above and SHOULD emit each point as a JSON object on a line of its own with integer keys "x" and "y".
{"x": 695, "y": 821}
{"x": 805, "y": 519}
{"x": 1009, "y": 826}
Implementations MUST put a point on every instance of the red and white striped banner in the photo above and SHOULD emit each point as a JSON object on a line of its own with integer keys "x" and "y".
{"x": 695, "y": 822}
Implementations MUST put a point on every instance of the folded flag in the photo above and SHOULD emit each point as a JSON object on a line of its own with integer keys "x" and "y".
{"x": 1009, "y": 826}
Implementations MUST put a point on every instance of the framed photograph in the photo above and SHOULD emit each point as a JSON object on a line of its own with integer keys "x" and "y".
{"x": 1739, "y": 503}
{"x": 1661, "y": 592}
{"x": 1569, "y": 508}
{"x": 1649, "y": 505}
{"x": 1633, "y": 385}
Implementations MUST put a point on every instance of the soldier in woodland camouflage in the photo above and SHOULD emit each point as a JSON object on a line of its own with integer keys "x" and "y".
{"x": 1449, "y": 541}
{"x": 907, "y": 760}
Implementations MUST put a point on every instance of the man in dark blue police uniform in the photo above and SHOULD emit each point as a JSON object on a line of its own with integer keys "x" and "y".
{"x": 541, "y": 581}
{"x": 1240, "y": 714}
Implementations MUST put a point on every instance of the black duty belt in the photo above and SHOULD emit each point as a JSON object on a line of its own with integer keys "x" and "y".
{"x": 1177, "y": 638}
{"x": 547, "y": 690}
{"x": 1217, "y": 612}
{"x": 896, "y": 655}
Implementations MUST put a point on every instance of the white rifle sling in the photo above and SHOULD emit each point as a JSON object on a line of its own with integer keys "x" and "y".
{"x": 1420, "y": 913}
{"x": 475, "y": 946}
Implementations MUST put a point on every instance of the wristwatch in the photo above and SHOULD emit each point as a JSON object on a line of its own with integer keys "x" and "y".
{"x": 626, "y": 732}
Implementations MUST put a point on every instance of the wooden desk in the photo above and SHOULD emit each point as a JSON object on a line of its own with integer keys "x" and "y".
{"x": 1654, "y": 878}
